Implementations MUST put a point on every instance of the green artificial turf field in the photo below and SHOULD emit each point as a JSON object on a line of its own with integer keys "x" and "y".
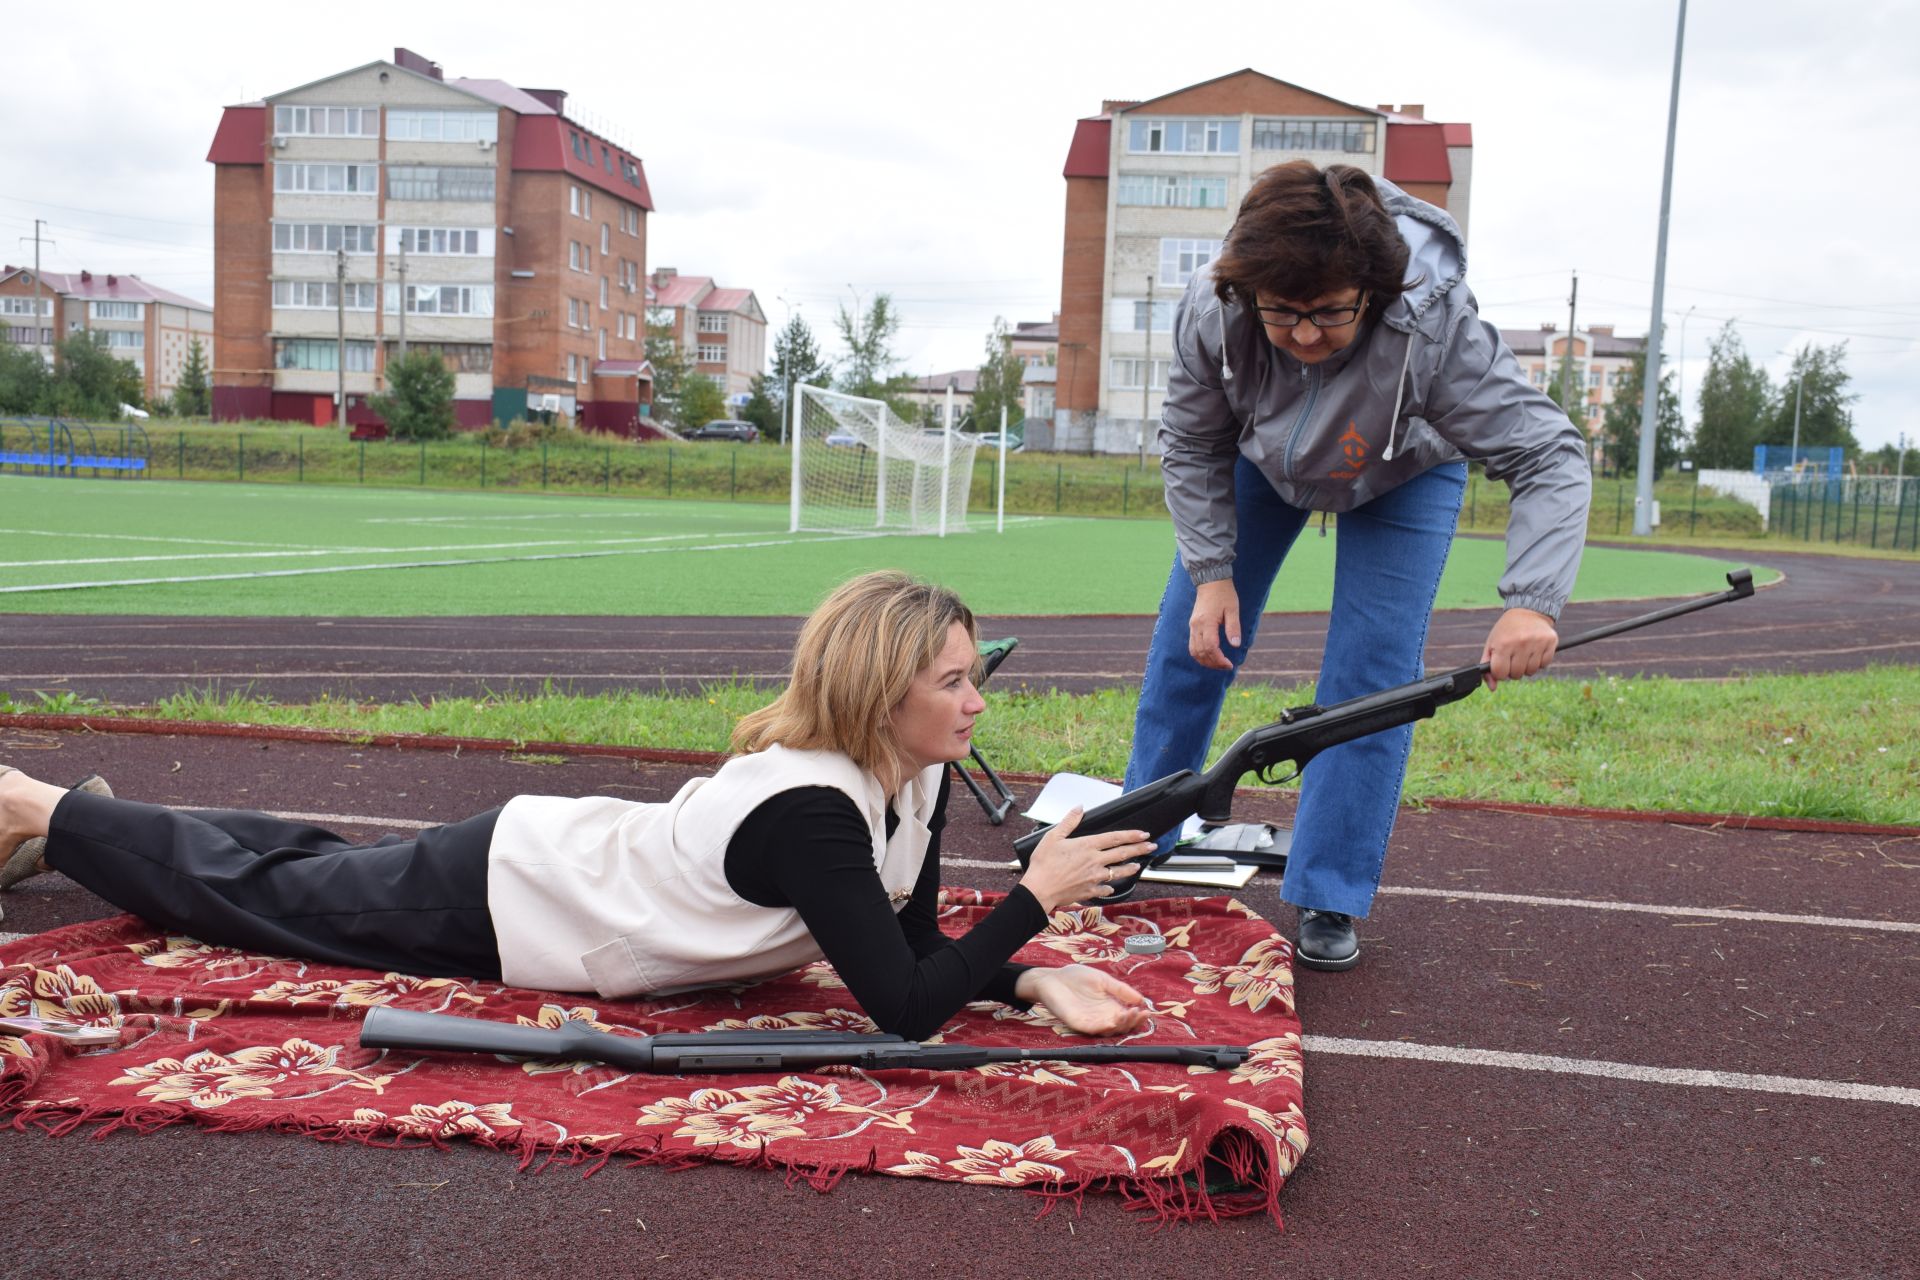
{"x": 146, "y": 547}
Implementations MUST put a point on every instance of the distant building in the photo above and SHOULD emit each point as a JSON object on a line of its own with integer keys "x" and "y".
{"x": 930, "y": 394}
{"x": 473, "y": 218}
{"x": 1601, "y": 363}
{"x": 153, "y": 328}
{"x": 1036, "y": 345}
{"x": 1152, "y": 188}
{"x": 723, "y": 330}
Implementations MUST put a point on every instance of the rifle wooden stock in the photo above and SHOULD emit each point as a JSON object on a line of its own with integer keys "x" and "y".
{"x": 675, "y": 1053}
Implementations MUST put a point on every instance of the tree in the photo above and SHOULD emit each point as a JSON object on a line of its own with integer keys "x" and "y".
{"x": 868, "y": 368}
{"x": 1818, "y": 379}
{"x": 999, "y": 384}
{"x": 797, "y": 359}
{"x": 419, "y": 402}
{"x": 89, "y": 381}
{"x": 1620, "y": 425}
{"x": 25, "y": 381}
{"x": 1734, "y": 399}
{"x": 762, "y": 408}
{"x": 190, "y": 397}
{"x": 701, "y": 401}
{"x": 670, "y": 370}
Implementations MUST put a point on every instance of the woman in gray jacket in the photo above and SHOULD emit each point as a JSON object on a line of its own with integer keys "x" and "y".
{"x": 1332, "y": 360}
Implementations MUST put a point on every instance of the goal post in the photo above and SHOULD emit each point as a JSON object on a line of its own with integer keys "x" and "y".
{"x": 858, "y": 468}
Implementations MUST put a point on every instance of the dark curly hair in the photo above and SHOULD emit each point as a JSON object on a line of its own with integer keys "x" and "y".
{"x": 1303, "y": 232}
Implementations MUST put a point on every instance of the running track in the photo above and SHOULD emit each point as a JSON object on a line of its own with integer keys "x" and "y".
{"x": 1830, "y": 614}
{"x": 1636, "y": 951}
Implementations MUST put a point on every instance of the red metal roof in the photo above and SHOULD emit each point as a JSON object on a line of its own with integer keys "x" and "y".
{"x": 241, "y": 137}
{"x": 1417, "y": 153}
{"x": 542, "y": 144}
{"x": 1091, "y": 150}
{"x": 506, "y": 95}
{"x": 1458, "y": 135}
{"x": 725, "y": 299}
{"x": 108, "y": 288}
{"x": 681, "y": 291}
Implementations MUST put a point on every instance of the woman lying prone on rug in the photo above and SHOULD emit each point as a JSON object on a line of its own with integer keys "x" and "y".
{"x": 820, "y": 837}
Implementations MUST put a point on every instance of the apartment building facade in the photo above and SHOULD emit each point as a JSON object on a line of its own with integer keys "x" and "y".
{"x": 152, "y": 328}
{"x": 722, "y": 331}
{"x": 1602, "y": 363}
{"x": 1152, "y": 187}
{"x": 465, "y": 217}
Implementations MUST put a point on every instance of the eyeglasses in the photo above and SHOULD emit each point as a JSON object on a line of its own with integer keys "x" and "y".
{"x": 1322, "y": 317}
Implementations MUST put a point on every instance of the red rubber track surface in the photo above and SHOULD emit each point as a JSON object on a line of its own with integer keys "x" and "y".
{"x": 1830, "y": 614}
{"x": 1417, "y": 1168}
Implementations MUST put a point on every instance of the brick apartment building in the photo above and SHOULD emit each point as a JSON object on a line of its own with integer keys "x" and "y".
{"x": 1601, "y": 363}
{"x": 151, "y": 327}
{"x": 470, "y": 217}
{"x": 724, "y": 329}
{"x": 1152, "y": 187}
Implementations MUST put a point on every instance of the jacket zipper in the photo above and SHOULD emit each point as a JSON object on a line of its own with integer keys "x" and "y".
{"x": 1306, "y": 411}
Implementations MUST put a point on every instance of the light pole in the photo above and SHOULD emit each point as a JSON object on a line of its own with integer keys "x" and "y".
{"x": 1650, "y": 392}
{"x": 786, "y": 405}
{"x": 1682, "y": 370}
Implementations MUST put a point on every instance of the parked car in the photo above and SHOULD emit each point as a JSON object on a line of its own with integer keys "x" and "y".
{"x": 726, "y": 429}
{"x": 843, "y": 440}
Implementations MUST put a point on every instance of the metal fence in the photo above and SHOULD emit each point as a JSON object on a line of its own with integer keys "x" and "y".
{"x": 57, "y": 447}
{"x": 1871, "y": 511}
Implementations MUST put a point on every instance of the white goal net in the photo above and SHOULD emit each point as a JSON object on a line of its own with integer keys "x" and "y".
{"x": 856, "y": 466}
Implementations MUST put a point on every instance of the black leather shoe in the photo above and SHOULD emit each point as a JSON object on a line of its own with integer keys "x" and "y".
{"x": 1327, "y": 941}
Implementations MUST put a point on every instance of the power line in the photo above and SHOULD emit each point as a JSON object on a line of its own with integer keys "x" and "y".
{"x": 130, "y": 217}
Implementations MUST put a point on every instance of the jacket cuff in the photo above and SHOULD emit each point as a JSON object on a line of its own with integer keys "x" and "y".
{"x": 1210, "y": 571}
{"x": 1549, "y": 605}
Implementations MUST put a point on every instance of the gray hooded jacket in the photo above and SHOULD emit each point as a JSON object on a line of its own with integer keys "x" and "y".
{"x": 1427, "y": 382}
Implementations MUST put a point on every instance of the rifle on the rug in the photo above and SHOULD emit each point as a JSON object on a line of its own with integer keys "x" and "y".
{"x": 674, "y": 1053}
{"x": 1301, "y": 733}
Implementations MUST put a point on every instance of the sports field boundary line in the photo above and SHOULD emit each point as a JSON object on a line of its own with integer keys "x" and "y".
{"x": 662, "y": 755}
{"x": 1798, "y": 1086}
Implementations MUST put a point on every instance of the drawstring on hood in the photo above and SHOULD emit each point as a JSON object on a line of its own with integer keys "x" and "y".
{"x": 1226, "y": 368}
{"x": 1399, "y": 394}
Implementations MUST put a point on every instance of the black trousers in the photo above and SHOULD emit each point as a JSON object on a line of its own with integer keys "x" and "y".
{"x": 407, "y": 904}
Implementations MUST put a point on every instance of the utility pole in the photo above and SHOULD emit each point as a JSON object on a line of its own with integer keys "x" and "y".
{"x": 1566, "y": 366}
{"x": 1799, "y": 392}
{"x": 402, "y": 272}
{"x": 340, "y": 316}
{"x": 1650, "y": 388}
{"x": 37, "y": 224}
{"x": 1146, "y": 378}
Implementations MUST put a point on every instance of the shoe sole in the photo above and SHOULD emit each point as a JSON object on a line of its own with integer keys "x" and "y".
{"x": 1325, "y": 966}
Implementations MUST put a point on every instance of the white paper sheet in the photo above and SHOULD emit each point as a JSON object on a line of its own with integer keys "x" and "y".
{"x": 1065, "y": 790}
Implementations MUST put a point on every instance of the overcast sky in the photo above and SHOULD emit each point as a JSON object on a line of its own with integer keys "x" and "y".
{"x": 822, "y": 151}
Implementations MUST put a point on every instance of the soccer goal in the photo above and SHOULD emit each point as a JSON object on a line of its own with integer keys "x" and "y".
{"x": 856, "y": 466}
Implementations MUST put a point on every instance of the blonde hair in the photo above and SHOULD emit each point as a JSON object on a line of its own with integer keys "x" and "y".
{"x": 855, "y": 659}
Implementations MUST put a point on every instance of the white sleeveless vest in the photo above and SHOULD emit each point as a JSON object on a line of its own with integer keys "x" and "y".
{"x": 628, "y": 899}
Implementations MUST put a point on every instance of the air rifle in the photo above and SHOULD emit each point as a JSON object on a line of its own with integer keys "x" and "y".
{"x": 1301, "y": 733}
{"x": 676, "y": 1053}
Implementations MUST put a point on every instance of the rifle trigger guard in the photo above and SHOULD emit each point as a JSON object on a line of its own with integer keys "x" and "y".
{"x": 1270, "y": 775}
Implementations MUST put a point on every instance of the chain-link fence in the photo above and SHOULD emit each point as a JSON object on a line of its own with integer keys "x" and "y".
{"x": 1879, "y": 512}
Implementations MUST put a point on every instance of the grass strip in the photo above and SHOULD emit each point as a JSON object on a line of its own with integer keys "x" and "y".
{"x": 1842, "y": 747}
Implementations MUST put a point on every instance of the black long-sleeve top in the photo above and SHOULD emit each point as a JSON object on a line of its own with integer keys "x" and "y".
{"x": 809, "y": 849}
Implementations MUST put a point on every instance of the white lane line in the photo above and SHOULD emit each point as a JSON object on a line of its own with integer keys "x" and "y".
{"x": 64, "y": 536}
{"x": 1699, "y": 1079}
{"x": 383, "y": 551}
{"x": 1713, "y": 913}
{"x": 429, "y": 564}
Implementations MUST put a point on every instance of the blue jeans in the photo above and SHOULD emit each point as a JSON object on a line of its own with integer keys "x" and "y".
{"x": 1387, "y": 563}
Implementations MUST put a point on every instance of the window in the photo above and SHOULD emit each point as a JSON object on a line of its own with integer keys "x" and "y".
{"x": 573, "y": 367}
{"x": 443, "y": 300}
{"x": 25, "y": 335}
{"x": 713, "y": 322}
{"x": 586, "y": 203}
{"x": 573, "y": 201}
{"x": 318, "y": 295}
{"x": 1539, "y": 376}
{"x": 1179, "y": 259}
{"x": 328, "y": 179}
{"x": 1593, "y": 377}
{"x": 1351, "y": 136}
{"x": 603, "y": 344}
{"x": 436, "y": 241}
{"x": 122, "y": 339}
{"x": 321, "y": 354}
{"x": 707, "y": 353}
{"x": 459, "y": 357}
{"x": 116, "y": 311}
{"x": 573, "y": 313}
{"x": 603, "y": 293}
{"x": 606, "y": 238}
{"x": 1126, "y": 374}
{"x": 25, "y": 306}
{"x": 1129, "y": 315}
{"x": 327, "y": 122}
{"x": 1207, "y": 137}
{"x": 427, "y": 182}
{"x": 323, "y": 237}
{"x": 442, "y": 126}
{"x": 573, "y": 255}
{"x": 1173, "y": 191}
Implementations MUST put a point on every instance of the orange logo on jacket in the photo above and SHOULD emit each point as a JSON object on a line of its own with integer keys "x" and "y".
{"x": 1353, "y": 448}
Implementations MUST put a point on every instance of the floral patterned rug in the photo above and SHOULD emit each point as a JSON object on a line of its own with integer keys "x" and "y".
{"x": 236, "y": 1041}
